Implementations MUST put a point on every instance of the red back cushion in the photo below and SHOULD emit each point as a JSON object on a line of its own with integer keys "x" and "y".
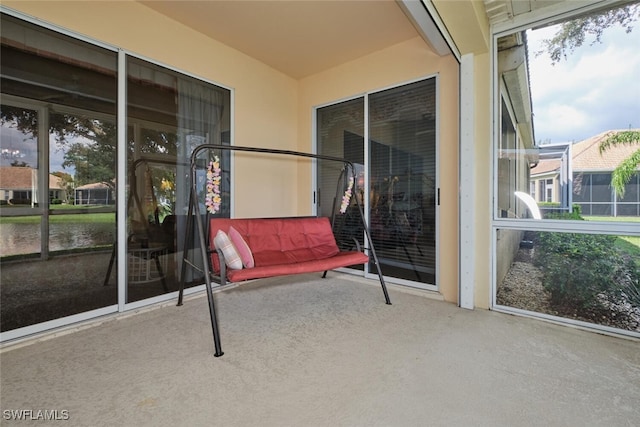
{"x": 281, "y": 240}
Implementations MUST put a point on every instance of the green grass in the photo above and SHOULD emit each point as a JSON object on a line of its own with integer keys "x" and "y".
{"x": 613, "y": 218}
{"x": 88, "y": 217}
{"x": 60, "y": 219}
{"x": 631, "y": 246}
{"x": 628, "y": 244}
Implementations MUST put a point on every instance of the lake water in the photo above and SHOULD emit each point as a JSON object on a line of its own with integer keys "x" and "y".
{"x": 18, "y": 239}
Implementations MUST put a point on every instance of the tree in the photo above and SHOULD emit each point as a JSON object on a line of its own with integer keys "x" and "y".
{"x": 94, "y": 155}
{"x": 66, "y": 182}
{"x": 623, "y": 173}
{"x": 89, "y": 144}
{"x": 572, "y": 34}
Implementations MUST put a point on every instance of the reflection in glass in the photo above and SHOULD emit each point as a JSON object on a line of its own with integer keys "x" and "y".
{"x": 55, "y": 255}
{"x": 82, "y": 157}
{"x": 169, "y": 114}
{"x": 19, "y": 157}
{"x": 403, "y": 179}
{"x": 340, "y": 133}
{"x": 20, "y": 231}
{"x": 591, "y": 278}
{"x": 19, "y": 143}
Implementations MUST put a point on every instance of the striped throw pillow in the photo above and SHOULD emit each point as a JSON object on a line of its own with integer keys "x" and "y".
{"x": 231, "y": 257}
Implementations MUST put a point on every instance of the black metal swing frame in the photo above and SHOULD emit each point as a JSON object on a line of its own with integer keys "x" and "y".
{"x": 194, "y": 214}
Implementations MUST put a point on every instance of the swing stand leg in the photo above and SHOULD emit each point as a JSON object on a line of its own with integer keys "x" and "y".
{"x": 214, "y": 321}
{"x": 384, "y": 289}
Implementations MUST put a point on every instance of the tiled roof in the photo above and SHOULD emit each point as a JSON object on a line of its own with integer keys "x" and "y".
{"x": 95, "y": 185}
{"x": 546, "y": 166}
{"x": 20, "y": 178}
{"x": 586, "y": 156}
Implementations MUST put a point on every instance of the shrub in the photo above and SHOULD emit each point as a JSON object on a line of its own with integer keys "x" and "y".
{"x": 629, "y": 289}
{"x": 579, "y": 267}
{"x": 21, "y": 202}
{"x": 576, "y": 210}
{"x": 575, "y": 214}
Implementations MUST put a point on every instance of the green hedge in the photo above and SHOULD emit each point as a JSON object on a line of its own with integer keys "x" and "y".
{"x": 579, "y": 267}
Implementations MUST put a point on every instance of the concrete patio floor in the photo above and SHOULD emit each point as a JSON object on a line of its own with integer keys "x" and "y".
{"x": 303, "y": 351}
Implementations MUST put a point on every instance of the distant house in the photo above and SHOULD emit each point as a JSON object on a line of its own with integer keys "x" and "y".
{"x": 19, "y": 186}
{"x": 551, "y": 177}
{"x": 590, "y": 184}
{"x": 97, "y": 193}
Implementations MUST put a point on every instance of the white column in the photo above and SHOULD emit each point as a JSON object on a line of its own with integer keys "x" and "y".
{"x": 466, "y": 240}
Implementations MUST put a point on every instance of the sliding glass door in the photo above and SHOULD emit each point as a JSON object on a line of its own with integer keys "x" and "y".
{"x": 391, "y": 138}
{"x": 169, "y": 114}
{"x": 59, "y": 175}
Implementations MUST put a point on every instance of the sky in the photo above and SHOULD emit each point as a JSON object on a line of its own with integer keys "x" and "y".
{"x": 26, "y": 146}
{"x": 597, "y": 88}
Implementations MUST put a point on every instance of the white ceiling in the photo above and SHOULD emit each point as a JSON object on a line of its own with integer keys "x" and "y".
{"x": 298, "y": 38}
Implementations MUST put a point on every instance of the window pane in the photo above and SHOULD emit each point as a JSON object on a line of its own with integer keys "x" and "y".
{"x": 55, "y": 262}
{"x": 169, "y": 114}
{"x": 19, "y": 158}
{"x": 507, "y": 160}
{"x": 19, "y": 142}
{"x": 592, "y": 278}
{"x": 402, "y": 129}
{"x": 20, "y": 231}
{"x": 340, "y": 130}
{"x": 576, "y": 116}
{"x": 83, "y": 160}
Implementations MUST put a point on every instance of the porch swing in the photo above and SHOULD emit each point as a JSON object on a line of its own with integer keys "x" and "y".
{"x": 235, "y": 250}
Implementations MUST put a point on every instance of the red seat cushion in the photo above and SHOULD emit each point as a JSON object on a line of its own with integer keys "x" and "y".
{"x": 285, "y": 244}
{"x": 341, "y": 259}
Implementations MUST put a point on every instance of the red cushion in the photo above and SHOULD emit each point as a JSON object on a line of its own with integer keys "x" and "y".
{"x": 342, "y": 259}
{"x": 242, "y": 248}
{"x": 278, "y": 241}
